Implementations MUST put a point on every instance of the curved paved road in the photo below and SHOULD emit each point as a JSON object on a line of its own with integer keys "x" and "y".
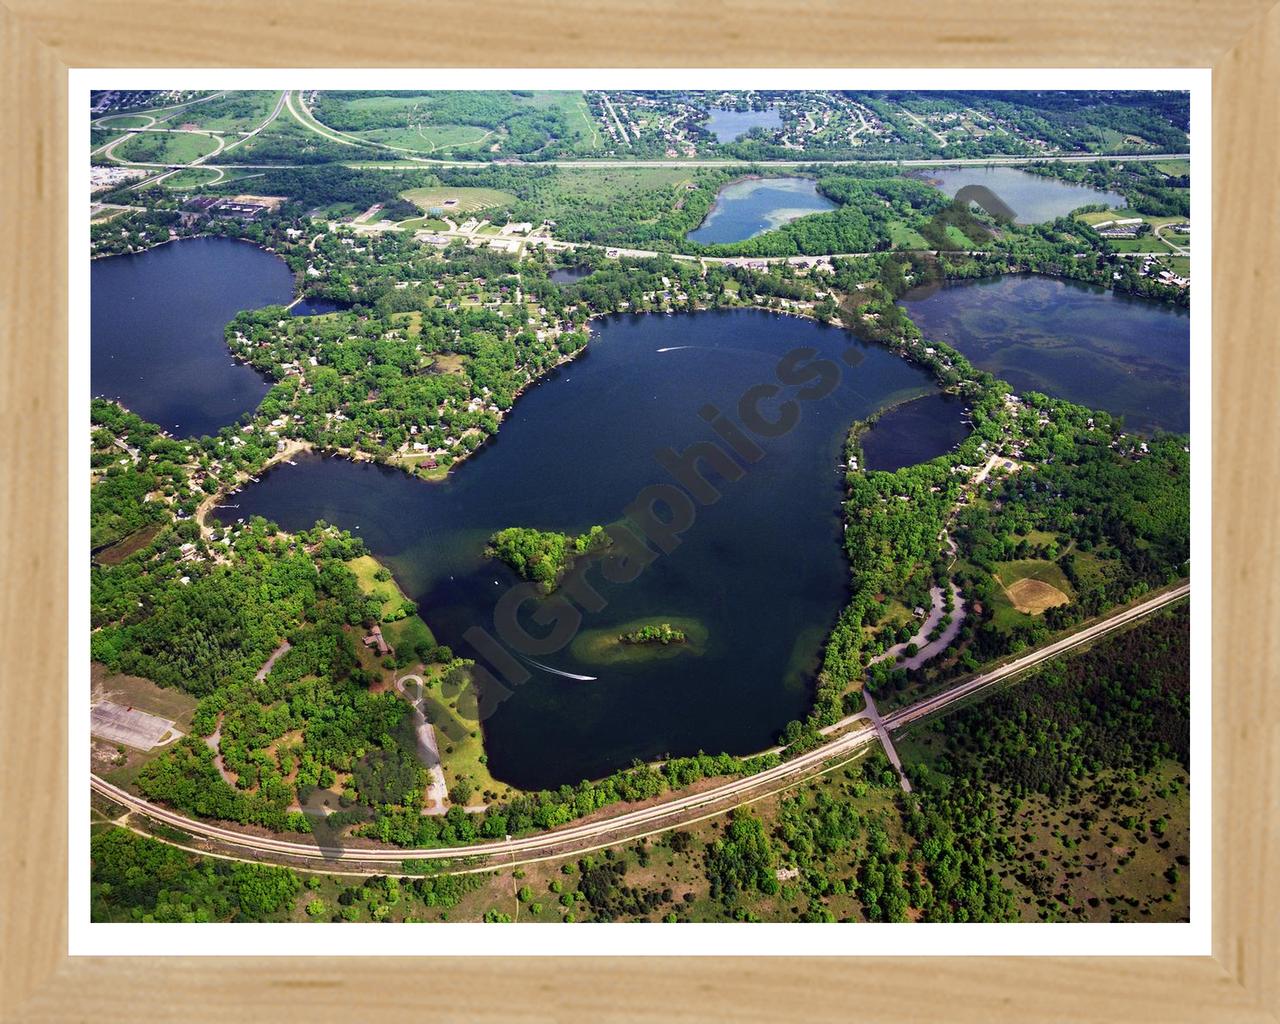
{"x": 657, "y": 817}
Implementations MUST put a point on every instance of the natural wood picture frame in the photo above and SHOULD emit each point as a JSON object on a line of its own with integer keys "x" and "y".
{"x": 41, "y": 39}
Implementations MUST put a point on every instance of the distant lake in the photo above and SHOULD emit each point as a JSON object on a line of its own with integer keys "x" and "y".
{"x": 915, "y": 432}
{"x": 157, "y": 321}
{"x": 727, "y": 125}
{"x": 1098, "y": 348}
{"x": 762, "y": 568}
{"x": 744, "y": 209}
{"x": 1033, "y": 198}
{"x": 567, "y": 275}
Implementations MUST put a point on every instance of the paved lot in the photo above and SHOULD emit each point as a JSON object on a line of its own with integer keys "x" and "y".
{"x": 118, "y": 724}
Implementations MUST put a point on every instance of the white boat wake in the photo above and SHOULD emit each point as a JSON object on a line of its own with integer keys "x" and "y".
{"x": 674, "y": 348}
{"x": 567, "y": 675}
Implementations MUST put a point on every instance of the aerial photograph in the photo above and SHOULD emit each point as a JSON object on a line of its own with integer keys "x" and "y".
{"x": 554, "y": 506}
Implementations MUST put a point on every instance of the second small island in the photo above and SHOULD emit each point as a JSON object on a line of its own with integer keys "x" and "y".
{"x": 671, "y": 636}
{"x": 662, "y": 633}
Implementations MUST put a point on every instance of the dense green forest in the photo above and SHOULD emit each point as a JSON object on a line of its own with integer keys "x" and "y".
{"x": 139, "y": 879}
{"x": 1061, "y": 798}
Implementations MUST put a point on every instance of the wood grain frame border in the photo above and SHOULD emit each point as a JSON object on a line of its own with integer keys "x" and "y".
{"x": 41, "y": 39}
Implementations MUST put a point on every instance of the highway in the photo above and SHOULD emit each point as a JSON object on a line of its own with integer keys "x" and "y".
{"x": 999, "y": 161}
{"x": 666, "y": 814}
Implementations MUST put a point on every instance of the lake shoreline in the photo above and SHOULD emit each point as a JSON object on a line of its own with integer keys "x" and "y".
{"x": 722, "y": 204}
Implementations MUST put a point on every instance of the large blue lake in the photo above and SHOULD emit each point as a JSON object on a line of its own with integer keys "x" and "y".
{"x": 157, "y": 321}
{"x": 1103, "y": 349}
{"x": 762, "y": 568}
{"x": 744, "y": 209}
{"x": 1033, "y": 198}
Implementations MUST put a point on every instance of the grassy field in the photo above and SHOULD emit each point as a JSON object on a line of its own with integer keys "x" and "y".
{"x": 1148, "y": 242}
{"x": 411, "y": 321}
{"x": 1091, "y": 569}
{"x": 1098, "y": 859}
{"x": 466, "y": 200}
{"x": 408, "y": 633}
{"x": 233, "y": 113}
{"x": 904, "y": 237}
{"x": 1174, "y": 168}
{"x": 165, "y": 147}
{"x": 1033, "y": 584}
{"x": 393, "y": 598}
{"x": 195, "y": 177}
{"x": 424, "y": 224}
{"x": 430, "y": 138}
{"x": 407, "y": 122}
{"x": 461, "y": 742}
{"x": 607, "y": 183}
{"x": 126, "y": 121}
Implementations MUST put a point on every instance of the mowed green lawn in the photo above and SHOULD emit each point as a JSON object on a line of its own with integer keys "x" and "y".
{"x": 467, "y": 200}
{"x": 388, "y": 591}
{"x": 165, "y": 147}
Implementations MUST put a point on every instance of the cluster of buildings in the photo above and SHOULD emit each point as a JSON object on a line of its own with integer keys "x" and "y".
{"x": 1123, "y": 228}
{"x": 246, "y": 208}
{"x": 103, "y": 177}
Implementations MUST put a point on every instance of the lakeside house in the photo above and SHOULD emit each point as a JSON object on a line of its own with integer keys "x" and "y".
{"x": 377, "y": 641}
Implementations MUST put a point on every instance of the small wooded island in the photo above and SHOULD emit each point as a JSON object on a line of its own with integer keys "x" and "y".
{"x": 543, "y": 556}
{"x": 664, "y": 633}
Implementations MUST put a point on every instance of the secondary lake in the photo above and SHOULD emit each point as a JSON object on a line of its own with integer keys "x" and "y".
{"x": 568, "y": 275}
{"x": 914, "y": 432}
{"x": 157, "y": 321}
{"x": 762, "y": 569}
{"x": 744, "y": 209}
{"x": 1099, "y": 348}
{"x": 727, "y": 125}
{"x": 1032, "y": 197}
{"x": 317, "y": 307}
